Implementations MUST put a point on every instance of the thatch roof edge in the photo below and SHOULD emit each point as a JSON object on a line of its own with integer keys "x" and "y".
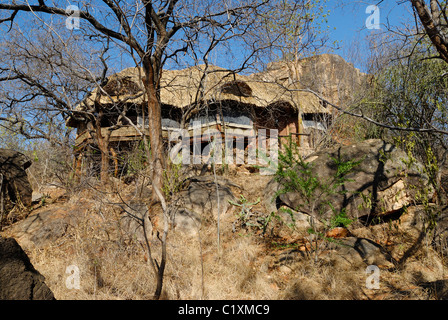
{"x": 179, "y": 88}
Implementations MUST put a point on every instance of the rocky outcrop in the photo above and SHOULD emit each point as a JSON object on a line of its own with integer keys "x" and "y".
{"x": 203, "y": 194}
{"x": 15, "y": 187}
{"x": 327, "y": 74}
{"x": 201, "y": 200}
{"x": 384, "y": 182}
{"x": 135, "y": 218}
{"x": 444, "y": 181}
{"x": 440, "y": 232}
{"x": 47, "y": 224}
{"x": 195, "y": 204}
{"x": 19, "y": 280}
{"x": 43, "y": 227}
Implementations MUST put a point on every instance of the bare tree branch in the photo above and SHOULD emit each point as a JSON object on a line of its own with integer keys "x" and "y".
{"x": 364, "y": 117}
{"x": 430, "y": 19}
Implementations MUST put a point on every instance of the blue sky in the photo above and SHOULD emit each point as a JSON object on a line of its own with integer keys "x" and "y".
{"x": 346, "y": 23}
{"x": 350, "y": 23}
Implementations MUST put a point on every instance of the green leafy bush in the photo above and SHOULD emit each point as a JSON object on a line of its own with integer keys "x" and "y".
{"x": 296, "y": 175}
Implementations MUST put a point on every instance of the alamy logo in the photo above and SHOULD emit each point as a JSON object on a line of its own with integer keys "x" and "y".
{"x": 73, "y": 280}
{"x": 237, "y": 146}
{"x": 373, "y": 280}
{"x": 72, "y": 22}
{"x": 373, "y": 21}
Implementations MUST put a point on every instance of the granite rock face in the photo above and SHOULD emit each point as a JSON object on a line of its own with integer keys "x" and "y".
{"x": 383, "y": 183}
{"x": 327, "y": 74}
{"x": 19, "y": 280}
{"x": 15, "y": 186}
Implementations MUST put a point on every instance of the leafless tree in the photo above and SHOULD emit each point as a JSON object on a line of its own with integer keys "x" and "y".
{"x": 37, "y": 89}
{"x": 43, "y": 77}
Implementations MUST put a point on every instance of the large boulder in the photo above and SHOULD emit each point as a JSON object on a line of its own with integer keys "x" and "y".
{"x": 444, "y": 182}
{"x": 15, "y": 186}
{"x": 203, "y": 195}
{"x": 42, "y": 226}
{"x": 329, "y": 74}
{"x": 201, "y": 200}
{"x": 196, "y": 203}
{"x": 440, "y": 231}
{"x": 132, "y": 222}
{"x": 384, "y": 182}
{"x": 19, "y": 280}
{"x": 49, "y": 223}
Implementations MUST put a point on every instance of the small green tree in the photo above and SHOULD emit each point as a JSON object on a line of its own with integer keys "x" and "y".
{"x": 411, "y": 93}
{"x": 296, "y": 175}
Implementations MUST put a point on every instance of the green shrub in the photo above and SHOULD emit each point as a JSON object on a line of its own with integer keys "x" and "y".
{"x": 296, "y": 175}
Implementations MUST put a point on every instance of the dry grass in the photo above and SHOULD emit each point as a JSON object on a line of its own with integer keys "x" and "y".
{"x": 111, "y": 268}
{"x": 247, "y": 266}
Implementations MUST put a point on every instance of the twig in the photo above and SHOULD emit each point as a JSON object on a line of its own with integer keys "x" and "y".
{"x": 219, "y": 209}
{"x": 362, "y": 116}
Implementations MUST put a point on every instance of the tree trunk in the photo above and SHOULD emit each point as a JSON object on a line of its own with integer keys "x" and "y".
{"x": 155, "y": 130}
{"x": 432, "y": 29}
{"x": 103, "y": 145}
{"x": 153, "y": 73}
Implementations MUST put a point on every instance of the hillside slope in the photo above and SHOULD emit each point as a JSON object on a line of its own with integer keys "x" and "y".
{"x": 260, "y": 256}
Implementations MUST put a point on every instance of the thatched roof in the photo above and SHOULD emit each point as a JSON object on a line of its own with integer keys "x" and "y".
{"x": 181, "y": 88}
